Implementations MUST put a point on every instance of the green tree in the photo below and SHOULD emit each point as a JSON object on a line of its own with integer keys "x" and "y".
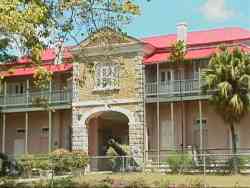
{"x": 177, "y": 57}
{"x": 31, "y": 25}
{"x": 227, "y": 78}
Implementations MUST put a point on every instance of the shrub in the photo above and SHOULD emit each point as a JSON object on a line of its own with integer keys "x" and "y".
{"x": 79, "y": 159}
{"x": 27, "y": 164}
{"x": 241, "y": 162}
{"x": 61, "y": 160}
{"x": 179, "y": 161}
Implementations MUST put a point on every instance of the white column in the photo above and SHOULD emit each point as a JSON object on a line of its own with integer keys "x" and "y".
{"x": 201, "y": 126}
{"x": 26, "y": 132}
{"x": 5, "y": 92}
{"x": 4, "y": 129}
{"x": 158, "y": 118}
{"x": 50, "y": 131}
{"x": 27, "y": 91}
{"x": 145, "y": 119}
{"x": 200, "y": 114}
{"x": 50, "y": 91}
{"x": 172, "y": 123}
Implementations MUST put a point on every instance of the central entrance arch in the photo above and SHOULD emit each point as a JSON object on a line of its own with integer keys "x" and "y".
{"x": 104, "y": 123}
{"x": 102, "y": 127}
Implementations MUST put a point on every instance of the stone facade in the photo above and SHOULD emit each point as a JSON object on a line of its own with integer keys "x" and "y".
{"x": 128, "y": 99}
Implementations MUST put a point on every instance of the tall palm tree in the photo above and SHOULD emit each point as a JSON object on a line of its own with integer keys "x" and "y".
{"x": 177, "y": 56}
{"x": 227, "y": 78}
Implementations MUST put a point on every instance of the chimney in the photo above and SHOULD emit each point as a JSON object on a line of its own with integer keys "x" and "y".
{"x": 59, "y": 52}
{"x": 182, "y": 31}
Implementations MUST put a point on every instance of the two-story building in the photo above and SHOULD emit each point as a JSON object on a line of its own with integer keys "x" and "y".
{"x": 27, "y": 126}
{"x": 128, "y": 91}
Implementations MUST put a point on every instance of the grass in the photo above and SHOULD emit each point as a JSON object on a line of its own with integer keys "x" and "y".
{"x": 154, "y": 179}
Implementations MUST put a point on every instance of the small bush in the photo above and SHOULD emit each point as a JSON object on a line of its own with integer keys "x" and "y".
{"x": 240, "y": 161}
{"x": 79, "y": 159}
{"x": 61, "y": 160}
{"x": 178, "y": 162}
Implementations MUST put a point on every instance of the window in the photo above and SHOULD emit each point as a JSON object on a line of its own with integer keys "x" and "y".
{"x": 20, "y": 131}
{"x": 45, "y": 131}
{"x": 197, "y": 134}
{"x": 166, "y": 75}
{"x": 16, "y": 88}
{"x": 107, "y": 76}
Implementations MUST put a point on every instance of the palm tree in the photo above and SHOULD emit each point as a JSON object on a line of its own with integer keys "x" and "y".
{"x": 177, "y": 56}
{"x": 227, "y": 78}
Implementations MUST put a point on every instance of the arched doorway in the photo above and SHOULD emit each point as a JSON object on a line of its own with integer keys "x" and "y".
{"x": 103, "y": 126}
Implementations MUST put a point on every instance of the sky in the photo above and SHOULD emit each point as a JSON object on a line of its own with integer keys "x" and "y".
{"x": 159, "y": 17}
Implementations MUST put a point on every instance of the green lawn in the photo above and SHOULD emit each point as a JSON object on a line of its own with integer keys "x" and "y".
{"x": 154, "y": 179}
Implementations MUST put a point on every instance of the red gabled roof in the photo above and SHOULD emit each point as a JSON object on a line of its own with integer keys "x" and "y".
{"x": 47, "y": 56}
{"x": 191, "y": 54}
{"x": 201, "y": 37}
{"x": 27, "y": 71}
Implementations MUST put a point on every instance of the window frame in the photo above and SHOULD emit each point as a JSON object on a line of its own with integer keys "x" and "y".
{"x": 103, "y": 68}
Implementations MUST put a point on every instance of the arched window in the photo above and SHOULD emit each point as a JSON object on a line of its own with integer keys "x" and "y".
{"x": 107, "y": 76}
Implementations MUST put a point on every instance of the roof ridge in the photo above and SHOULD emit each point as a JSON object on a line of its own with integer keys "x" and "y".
{"x": 198, "y": 31}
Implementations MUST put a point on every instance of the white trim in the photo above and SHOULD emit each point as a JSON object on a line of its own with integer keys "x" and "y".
{"x": 116, "y": 49}
{"x": 104, "y": 102}
{"x": 88, "y": 114}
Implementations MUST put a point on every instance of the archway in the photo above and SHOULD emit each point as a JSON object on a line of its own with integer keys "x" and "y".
{"x": 103, "y": 124}
{"x": 102, "y": 127}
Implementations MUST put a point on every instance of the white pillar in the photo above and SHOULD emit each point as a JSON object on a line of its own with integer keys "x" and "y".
{"x": 200, "y": 114}
{"x": 26, "y": 132}
{"x": 4, "y": 133}
{"x": 50, "y": 131}
{"x": 5, "y": 92}
{"x": 145, "y": 120}
{"x": 27, "y": 91}
{"x": 172, "y": 123}
{"x": 158, "y": 118}
{"x": 201, "y": 126}
{"x": 50, "y": 91}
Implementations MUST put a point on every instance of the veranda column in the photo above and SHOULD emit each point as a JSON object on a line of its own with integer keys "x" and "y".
{"x": 201, "y": 126}
{"x": 200, "y": 115}
{"x": 4, "y": 129}
{"x": 158, "y": 117}
{"x": 27, "y": 91}
{"x": 50, "y": 131}
{"x": 26, "y": 132}
{"x": 172, "y": 123}
{"x": 145, "y": 119}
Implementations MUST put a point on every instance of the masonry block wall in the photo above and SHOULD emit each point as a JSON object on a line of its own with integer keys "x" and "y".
{"x": 128, "y": 99}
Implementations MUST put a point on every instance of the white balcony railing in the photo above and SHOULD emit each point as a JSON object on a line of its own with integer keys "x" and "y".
{"x": 34, "y": 98}
{"x": 174, "y": 87}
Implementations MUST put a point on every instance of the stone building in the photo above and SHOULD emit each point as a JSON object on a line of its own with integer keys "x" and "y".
{"x": 126, "y": 90}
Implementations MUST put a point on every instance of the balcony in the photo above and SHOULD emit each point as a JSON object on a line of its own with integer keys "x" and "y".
{"x": 54, "y": 97}
{"x": 174, "y": 88}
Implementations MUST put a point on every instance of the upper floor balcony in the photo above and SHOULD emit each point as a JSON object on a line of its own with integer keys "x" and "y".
{"x": 174, "y": 88}
{"x": 36, "y": 98}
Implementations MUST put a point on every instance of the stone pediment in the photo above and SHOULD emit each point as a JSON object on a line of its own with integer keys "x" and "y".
{"x": 107, "y": 37}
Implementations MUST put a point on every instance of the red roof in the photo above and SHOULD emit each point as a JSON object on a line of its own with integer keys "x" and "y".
{"x": 191, "y": 54}
{"x": 47, "y": 56}
{"x": 26, "y": 71}
{"x": 201, "y": 37}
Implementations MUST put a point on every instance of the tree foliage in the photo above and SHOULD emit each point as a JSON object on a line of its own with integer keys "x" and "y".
{"x": 228, "y": 75}
{"x": 228, "y": 78}
{"x": 32, "y": 25}
{"x": 178, "y": 52}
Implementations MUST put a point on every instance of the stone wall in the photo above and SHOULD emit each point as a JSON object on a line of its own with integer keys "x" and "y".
{"x": 128, "y": 99}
